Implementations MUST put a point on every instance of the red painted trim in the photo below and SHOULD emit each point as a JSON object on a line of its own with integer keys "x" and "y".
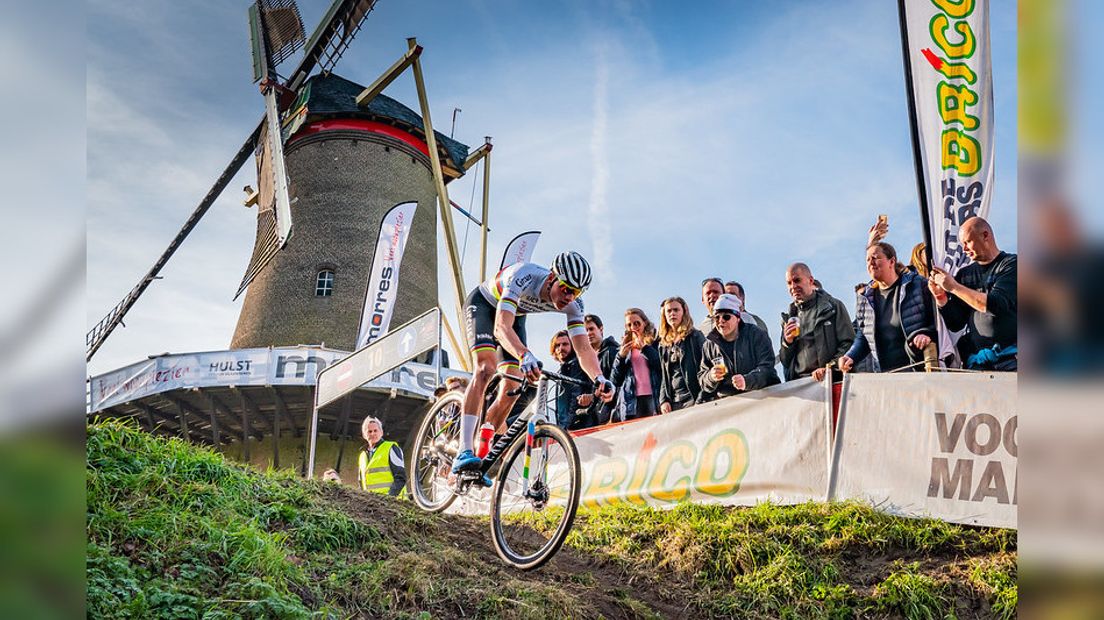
{"x": 356, "y": 124}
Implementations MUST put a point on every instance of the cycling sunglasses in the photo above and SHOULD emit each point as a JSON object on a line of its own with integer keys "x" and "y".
{"x": 570, "y": 289}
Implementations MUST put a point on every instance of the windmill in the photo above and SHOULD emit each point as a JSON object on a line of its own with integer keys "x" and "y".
{"x": 333, "y": 156}
{"x": 277, "y": 32}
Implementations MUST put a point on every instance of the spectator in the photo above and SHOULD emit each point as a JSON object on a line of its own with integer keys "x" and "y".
{"x": 817, "y": 330}
{"x": 735, "y": 288}
{"x": 981, "y": 298}
{"x": 636, "y": 371}
{"x": 569, "y": 365}
{"x": 380, "y": 463}
{"x": 735, "y": 358}
{"x": 597, "y": 412}
{"x": 456, "y": 384}
{"x": 919, "y": 259}
{"x": 680, "y": 354}
{"x": 712, "y": 288}
{"x": 894, "y": 320}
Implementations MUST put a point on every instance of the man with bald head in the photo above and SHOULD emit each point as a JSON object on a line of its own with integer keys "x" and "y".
{"x": 981, "y": 298}
{"x": 817, "y": 330}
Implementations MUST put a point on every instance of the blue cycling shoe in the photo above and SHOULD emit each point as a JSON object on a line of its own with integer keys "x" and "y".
{"x": 485, "y": 481}
{"x": 466, "y": 461}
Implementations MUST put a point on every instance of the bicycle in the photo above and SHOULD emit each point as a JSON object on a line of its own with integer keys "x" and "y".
{"x": 527, "y": 524}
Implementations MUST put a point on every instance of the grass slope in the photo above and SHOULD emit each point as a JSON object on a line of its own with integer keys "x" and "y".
{"x": 175, "y": 531}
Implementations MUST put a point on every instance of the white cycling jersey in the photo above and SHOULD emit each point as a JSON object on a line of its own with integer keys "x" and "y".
{"x": 516, "y": 289}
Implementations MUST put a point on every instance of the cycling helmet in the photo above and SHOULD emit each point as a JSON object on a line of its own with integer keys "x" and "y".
{"x": 573, "y": 269}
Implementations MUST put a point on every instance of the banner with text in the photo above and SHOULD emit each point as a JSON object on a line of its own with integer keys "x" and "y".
{"x": 383, "y": 281}
{"x": 520, "y": 250}
{"x": 937, "y": 445}
{"x": 279, "y": 366}
{"x": 952, "y": 86}
{"x": 767, "y": 445}
{"x": 952, "y": 83}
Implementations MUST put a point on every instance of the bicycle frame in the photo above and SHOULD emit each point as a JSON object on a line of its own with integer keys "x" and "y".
{"x": 530, "y": 424}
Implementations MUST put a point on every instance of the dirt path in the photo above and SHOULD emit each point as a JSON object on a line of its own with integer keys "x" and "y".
{"x": 608, "y": 590}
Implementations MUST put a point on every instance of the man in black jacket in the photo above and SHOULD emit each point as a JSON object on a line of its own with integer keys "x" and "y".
{"x": 981, "y": 298}
{"x": 816, "y": 330}
{"x": 736, "y": 357}
{"x": 597, "y": 412}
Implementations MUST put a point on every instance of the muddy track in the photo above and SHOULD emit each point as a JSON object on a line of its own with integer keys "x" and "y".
{"x": 607, "y": 589}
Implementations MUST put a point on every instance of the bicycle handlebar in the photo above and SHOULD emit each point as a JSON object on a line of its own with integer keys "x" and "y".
{"x": 555, "y": 376}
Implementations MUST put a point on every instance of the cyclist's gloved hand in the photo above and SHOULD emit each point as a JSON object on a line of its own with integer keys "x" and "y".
{"x": 530, "y": 365}
{"x": 603, "y": 387}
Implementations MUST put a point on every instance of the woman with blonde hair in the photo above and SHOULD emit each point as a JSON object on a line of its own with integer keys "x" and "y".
{"x": 680, "y": 355}
{"x": 636, "y": 371}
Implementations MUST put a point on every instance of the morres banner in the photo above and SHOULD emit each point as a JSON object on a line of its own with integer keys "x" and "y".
{"x": 383, "y": 281}
{"x": 948, "y": 68}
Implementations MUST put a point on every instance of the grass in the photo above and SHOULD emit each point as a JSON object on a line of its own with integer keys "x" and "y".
{"x": 176, "y": 531}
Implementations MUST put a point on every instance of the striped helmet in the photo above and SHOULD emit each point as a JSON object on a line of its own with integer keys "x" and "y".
{"x": 573, "y": 269}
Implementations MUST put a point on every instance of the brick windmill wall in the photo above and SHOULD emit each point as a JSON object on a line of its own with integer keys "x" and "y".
{"x": 347, "y": 167}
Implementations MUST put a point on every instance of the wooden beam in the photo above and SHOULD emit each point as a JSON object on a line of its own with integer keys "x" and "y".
{"x": 368, "y": 94}
{"x": 215, "y": 437}
{"x": 281, "y": 407}
{"x": 185, "y": 409}
{"x": 250, "y": 406}
{"x": 225, "y": 420}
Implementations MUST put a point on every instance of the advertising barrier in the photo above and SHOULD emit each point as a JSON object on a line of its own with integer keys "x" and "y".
{"x": 242, "y": 367}
{"x": 937, "y": 445}
{"x": 768, "y": 445}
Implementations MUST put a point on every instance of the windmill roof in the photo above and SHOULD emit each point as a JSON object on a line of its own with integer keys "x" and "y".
{"x": 333, "y": 95}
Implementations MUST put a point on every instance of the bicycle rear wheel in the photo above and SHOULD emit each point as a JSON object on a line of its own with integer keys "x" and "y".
{"x": 435, "y": 446}
{"x": 528, "y": 528}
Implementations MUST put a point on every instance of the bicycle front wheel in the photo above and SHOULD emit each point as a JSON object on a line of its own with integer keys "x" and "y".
{"x": 530, "y": 522}
{"x": 435, "y": 446}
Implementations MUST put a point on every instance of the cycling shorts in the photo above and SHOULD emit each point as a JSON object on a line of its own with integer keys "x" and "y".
{"x": 479, "y": 320}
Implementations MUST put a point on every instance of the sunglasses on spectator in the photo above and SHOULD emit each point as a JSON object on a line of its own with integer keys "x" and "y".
{"x": 722, "y": 316}
{"x": 708, "y": 280}
{"x": 571, "y": 289}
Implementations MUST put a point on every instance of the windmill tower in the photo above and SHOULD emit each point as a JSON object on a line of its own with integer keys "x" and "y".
{"x": 349, "y": 166}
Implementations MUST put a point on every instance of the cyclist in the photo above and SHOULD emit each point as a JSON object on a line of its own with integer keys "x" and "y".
{"x": 494, "y": 316}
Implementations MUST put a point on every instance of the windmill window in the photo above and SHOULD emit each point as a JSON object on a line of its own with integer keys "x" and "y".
{"x": 324, "y": 283}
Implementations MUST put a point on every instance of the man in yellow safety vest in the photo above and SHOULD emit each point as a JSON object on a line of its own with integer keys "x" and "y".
{"x": 380, "y": 467}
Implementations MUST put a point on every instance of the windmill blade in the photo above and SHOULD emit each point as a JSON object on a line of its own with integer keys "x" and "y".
{"x": 98, "y": 334}
{"x": 331, "y": 38}
{"x": 325, "y": 47}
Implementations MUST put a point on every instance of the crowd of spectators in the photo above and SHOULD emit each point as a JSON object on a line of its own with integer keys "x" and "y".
{"x": 729, "y": 352}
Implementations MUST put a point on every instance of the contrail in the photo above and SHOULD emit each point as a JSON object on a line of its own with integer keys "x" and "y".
{"x": 598, "y": 212}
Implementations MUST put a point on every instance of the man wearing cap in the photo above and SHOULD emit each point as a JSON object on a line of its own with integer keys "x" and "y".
{"x": 736, "y": 357}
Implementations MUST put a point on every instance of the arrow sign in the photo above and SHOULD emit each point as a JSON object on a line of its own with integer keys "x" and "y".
{"x": 376, "y": 359}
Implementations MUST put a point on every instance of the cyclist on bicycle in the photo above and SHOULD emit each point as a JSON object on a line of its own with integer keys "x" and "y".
{"x": 494, "y": 316}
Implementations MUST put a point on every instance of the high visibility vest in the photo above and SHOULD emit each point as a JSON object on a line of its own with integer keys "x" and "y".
{"x": 375, "y": 472}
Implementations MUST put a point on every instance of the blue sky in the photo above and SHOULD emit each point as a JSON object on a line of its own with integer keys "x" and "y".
{"x": 666, "y": 144}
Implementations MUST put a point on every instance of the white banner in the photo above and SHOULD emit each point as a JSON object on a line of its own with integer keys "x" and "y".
{"x": 279, "y": 366}
{"x": 383, "y": 282}
{"x": 941, "y": 445}
{"x": 768, "y": 445}
{"x": 948, "y": 57}
{"x": 520, "y": 250}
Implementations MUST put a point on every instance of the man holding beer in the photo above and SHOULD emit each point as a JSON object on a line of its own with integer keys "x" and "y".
{"x": 736, "y": 357}
{"x": 816, "y": 330}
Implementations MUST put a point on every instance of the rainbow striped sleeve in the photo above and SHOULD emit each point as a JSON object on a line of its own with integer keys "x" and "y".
{"x": 507, "y": 305}
{"x": 576, "y": 328}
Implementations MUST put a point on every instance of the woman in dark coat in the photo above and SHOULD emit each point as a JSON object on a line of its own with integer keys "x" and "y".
{"x": 636, "y": 371}
{"x": 680, "y": 355}
{"x": 895, "y": 318}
